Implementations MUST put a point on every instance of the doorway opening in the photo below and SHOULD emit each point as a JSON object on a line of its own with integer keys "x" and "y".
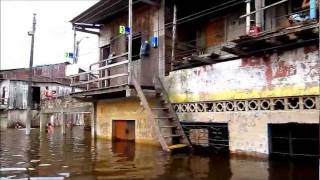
{"x": 36, "y": 97}
{"x": 294, "y": 139}
{"x": 207, "y": 137}
{"x": 123, "y": 130}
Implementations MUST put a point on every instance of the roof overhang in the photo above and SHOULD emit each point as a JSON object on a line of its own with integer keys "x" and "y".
{"x": 105, "y": 9}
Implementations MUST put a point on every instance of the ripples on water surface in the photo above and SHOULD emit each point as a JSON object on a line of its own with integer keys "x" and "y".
{"x": 75, "y": 156}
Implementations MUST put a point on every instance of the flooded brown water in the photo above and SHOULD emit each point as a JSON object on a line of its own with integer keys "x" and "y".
{"x": 76, "y": 156}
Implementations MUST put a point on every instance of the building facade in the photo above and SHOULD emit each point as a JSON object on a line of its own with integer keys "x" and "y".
{"x": 49, "y": 81}
{"x": 241, "y": 76}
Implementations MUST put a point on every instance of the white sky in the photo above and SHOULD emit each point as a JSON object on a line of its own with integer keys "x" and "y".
{"x": 54, "y": 35}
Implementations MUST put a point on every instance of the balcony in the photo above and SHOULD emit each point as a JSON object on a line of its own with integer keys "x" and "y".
{"x": 281, "y": 33}
{"x": 105, "y": 76}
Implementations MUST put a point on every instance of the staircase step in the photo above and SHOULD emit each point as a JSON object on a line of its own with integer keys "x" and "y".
{"x": 176, "y": 146}
{"x": 164, "y": 101}
{"x": 168, "y": 126}
{"x": 160, "y": 108}
{"x": 172, "y": 135}
{"x": 159, "y": 94}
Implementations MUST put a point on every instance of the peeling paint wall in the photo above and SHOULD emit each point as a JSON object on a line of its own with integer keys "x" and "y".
{"x": 248, "y": 131}
{"x": 291, "y": 73}
{"x": 18, "y": 92}
{"x": 123, "y": 109}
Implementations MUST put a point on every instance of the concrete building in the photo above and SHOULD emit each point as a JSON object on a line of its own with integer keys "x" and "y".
{"x": 14, "y": 92}
{"x": 234, "y": 76}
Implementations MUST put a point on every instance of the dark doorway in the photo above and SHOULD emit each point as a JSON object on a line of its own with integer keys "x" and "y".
{"x": 294, "y": 140}
{"x": 136, "y": 45}
{"x": 123, "y": 130}
{"x": 36, "y": 97}
{"x": 105, "y": 54}
{"x": 208, "y": 137}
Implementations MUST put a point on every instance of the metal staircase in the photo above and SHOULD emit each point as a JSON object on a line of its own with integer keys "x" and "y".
{"x": 163, "y": 119}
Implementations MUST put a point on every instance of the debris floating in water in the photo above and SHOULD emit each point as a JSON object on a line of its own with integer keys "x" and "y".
{"x": 35, "y": 160}
{"x": 17, "y": 155}
{"x": 20, "y": 162}
{"x": 64, "y": 174}
{"x": 13, "y": 169}
{"x": 43, "y": 165}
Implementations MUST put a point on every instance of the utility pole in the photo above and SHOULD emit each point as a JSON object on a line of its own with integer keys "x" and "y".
{"x": 29, "y": 100}
{"x": 74, "y": 44}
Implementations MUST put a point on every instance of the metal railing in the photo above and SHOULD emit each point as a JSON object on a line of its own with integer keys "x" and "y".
{"x": 106, "y": 73}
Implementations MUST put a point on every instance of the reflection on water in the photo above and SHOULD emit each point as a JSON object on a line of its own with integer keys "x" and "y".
{"x": 76, "y": 156}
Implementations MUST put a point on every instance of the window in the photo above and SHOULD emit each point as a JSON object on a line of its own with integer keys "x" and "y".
{"x": 105, "y": 52}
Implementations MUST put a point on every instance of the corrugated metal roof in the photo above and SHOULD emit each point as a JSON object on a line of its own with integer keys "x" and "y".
{"x": 100, "y": 11}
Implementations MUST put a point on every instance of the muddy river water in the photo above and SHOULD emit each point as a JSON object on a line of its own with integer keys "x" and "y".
{"x": 76, "y": 156}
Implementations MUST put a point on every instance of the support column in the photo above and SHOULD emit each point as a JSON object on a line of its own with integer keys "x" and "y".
{"x": 248, "y": 10}
{"x": 63, "y": 126}
{"x": 260, "y": 13}
{"x": 130, "y": 40}
{"x": 43, "y": 121}
{"x": 93, "y": 121}
{"x": 161, "y": 36}
{"x": 174, "y": 33}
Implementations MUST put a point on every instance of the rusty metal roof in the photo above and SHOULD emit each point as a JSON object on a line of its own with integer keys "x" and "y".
{"x": 104, "y": 9}
{"x": 101, "y": 11}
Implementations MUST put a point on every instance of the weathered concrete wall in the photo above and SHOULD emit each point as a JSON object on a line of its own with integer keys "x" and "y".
{"x": 292, "y": 73}
{"x": 265, "y": 87}
{"x": 248, "y": 131}
{"x": 18, "y": 92}
{"x": 20, "y": 116}
{"x": 123, "y": 109}
{"x": 3, "y": 119}
{"x": 65, "y": 104}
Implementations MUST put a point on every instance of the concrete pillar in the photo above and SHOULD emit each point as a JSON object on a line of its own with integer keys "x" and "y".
{"x": 43, "y": 121}
{"x": 259, "y": 14}
{"x": 63, "y": 126}
{"x": 248, "y": 10}
{"x": 93, "y": 121}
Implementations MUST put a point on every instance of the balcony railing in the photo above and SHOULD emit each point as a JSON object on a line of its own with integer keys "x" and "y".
{"x": 107, "y": 73}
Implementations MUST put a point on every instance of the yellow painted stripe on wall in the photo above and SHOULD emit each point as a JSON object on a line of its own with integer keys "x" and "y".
{"x": 242, "y": 94}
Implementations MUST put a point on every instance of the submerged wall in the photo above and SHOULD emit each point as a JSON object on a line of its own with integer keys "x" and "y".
{"x": 249, "y": 94}
{"x": 108, "y": 111}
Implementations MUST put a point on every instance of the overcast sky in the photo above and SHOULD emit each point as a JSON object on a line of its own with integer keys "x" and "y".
{"x": 54, "y": 35}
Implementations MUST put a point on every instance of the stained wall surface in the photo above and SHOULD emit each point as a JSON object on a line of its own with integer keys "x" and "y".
{"x": 266, "y": 87}
{"x": 123, "y": 109}
{"x": 291, "y": 73}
